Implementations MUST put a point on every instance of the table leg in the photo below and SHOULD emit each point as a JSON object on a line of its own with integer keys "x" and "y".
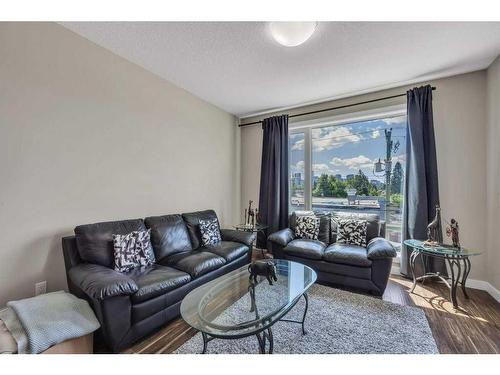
{"x": 251, "y": 289}
{"x": 305, "y": 312}
{"x": 262, "y": 343}
{"x": 264, "y": 337}
{"x": 455, "y": 279}
{"x": 413, "y": 257}
{"x": 271, "y": 340}
{"x": 467, "y": 267}
{"x": 205, "y": 342}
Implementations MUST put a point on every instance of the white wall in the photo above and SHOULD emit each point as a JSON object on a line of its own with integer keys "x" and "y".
{"x": 493, "y": 173}
{"x": 86, "y": 136}
{"x": 459, "y": 105}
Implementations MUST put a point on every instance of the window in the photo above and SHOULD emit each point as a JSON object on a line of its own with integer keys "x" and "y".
{"x": 352, "y": 166}
{"x": 297, "y": 168}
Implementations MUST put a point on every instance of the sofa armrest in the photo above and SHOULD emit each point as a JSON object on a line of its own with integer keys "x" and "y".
{"x": 379, "y": 248}
{"x": 246, "y": 238}
{"x": 282, "y": 237}
{"x": 100, "y": 282}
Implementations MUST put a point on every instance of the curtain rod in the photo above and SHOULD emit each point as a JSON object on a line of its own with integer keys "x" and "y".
{"x": 333, "y": 108}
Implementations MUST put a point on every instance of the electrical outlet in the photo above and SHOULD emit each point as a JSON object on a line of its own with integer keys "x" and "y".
{"x": 40, "y": 288}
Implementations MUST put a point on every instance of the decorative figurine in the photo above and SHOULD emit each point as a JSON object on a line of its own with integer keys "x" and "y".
{"x": 262, "y": 268}
{"x": 452, "y": 230}
{"x": 434, "y": 228}
{"x": 251, "y": 214}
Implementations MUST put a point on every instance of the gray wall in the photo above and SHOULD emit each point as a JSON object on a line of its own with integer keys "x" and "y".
{"x": 86, "y": 136}
{"x": 493, "y": 172}
{"x": 460, "y": 124}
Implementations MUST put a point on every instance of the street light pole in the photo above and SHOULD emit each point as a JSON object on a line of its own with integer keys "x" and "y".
{"x": 388, "y": 170}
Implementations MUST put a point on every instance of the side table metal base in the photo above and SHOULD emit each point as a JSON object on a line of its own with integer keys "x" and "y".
{"x": 458, "y": 275}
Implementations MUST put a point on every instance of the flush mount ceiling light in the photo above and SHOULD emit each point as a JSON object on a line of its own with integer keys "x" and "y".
{"x": 291, "y": 34}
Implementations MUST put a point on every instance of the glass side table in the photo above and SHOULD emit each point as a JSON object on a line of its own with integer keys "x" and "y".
{"x": 256, "y": 228}
{"x": 456, "y": 258}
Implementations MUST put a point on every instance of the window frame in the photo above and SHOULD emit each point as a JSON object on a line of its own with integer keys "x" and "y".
{"x": 307, "y": 126}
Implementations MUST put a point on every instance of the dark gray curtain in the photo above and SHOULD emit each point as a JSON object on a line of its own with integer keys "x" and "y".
{"x": 273, "y": 197}
{"x": 422, "y": 190}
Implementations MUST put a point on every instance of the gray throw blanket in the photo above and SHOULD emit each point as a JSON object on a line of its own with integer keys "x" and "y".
{"x": 46, "y": 320}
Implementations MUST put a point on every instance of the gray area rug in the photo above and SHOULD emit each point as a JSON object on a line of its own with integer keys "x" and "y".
{"x": 337, "y": 322}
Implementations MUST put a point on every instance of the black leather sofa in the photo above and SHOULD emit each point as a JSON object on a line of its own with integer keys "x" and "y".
{"x": 350, "y": 266}
{"x": 132, "y": 305}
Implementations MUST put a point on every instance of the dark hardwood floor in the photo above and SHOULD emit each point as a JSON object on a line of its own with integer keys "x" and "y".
{"x": 474, "y": 328}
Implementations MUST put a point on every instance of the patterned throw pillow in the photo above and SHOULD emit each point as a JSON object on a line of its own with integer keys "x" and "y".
{"x": 210, "y": 232}
{"x": 351, "y": 231}
{"x": 307, "y": 227}
{"x": 133, "y": 250}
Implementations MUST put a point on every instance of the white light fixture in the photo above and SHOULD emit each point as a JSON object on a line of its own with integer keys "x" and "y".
{"x": 291, "y": 34}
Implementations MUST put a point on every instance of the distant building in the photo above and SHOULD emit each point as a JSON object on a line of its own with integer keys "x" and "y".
{"x": 378, "y": 184}
{"x": 297, "y": 179}
{"x": 314, "y": 179}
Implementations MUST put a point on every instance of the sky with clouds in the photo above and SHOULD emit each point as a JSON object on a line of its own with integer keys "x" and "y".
{"x": 345, "y": 149}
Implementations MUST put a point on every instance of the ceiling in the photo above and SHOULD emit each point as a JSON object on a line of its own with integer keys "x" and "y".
{"x": 238, "y": 67}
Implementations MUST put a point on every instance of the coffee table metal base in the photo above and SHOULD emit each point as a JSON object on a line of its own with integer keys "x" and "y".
{"x": 265, "y": 336}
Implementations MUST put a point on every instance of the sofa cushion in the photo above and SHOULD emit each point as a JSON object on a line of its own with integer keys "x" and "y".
{"x": 335, "y": 268}
{"x": 307, "y": 227}
{"x": 347, "y": 254}
{"x": 169, "y": 235}
{"x": 228, "y": 250}
{"x": 372, "y": 223}
{"x": 351, "y": 231}
{"x": 196, "y": 263}
{"x": 310, "y": 249}
{"x": 133, "y": 250}
{"x": 95, "y": 241}
{"x": 324, "y": 227}
{"x": 192, "y": 220}
{"x": 295, "y": 214}
{"x": 156, "y": 280}
{"x": 210, "y": 232}
{"x": 324, "y": 223}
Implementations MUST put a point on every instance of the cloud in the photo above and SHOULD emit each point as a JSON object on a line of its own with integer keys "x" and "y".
{"x": 375, "y": 134}
{"x": 333, "y": 137}
{"x": 299, "y": 145}
{"x": 355, "y": 163}
{"x": 319, "y": 169}
{"x": 401, "y": 158}
{"x": 299, "y": 167}
{"x": 400, "y": 120}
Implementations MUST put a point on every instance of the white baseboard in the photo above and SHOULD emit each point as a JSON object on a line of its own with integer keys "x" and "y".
{"x": 484, "y": 285}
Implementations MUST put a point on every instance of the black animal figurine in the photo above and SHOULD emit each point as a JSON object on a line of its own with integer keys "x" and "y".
{"x": 262, "y": 268}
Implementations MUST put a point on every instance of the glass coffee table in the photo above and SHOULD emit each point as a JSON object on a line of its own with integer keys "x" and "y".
{"x": 457, "y": 259}
{"x": 234, "y": 307}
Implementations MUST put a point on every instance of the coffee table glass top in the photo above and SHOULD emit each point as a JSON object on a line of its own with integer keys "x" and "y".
{"x": 222, "y": 307}
{"x": 441, "y": 250}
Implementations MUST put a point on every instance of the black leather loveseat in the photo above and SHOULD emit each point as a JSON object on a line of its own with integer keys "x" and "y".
{"x": 132, "y": 305}
{"x": 345, "y": 265}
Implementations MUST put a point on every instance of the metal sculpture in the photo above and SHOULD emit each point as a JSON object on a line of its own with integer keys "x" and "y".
{"x": 452, "y": 231}
{"x": 434, "y": 229}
